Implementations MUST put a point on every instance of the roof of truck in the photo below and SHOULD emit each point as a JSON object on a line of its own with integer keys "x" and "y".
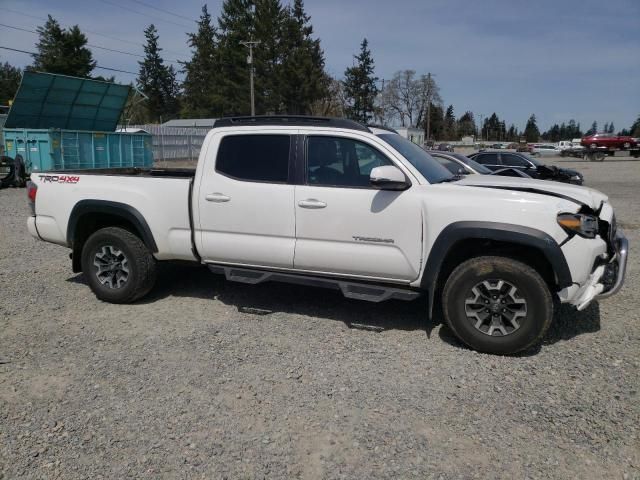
{"x": 290, "y": 120}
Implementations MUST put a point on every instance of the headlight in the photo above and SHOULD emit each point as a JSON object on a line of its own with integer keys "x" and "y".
{"x": 580, "y": 223}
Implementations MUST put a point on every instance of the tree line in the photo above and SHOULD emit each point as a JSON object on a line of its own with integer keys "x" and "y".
{"x": 290, "y": 78}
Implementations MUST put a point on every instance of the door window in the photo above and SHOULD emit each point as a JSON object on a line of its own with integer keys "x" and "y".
{"x": 510, "y": 160}
{"x": 254, "y": 158}
{"x": 487, "y": 158}
{"x": 334, "y": 161}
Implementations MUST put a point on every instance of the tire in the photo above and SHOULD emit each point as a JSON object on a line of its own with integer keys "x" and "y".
{"x": 127, "y": 270}
{"x": 530, "y": 305}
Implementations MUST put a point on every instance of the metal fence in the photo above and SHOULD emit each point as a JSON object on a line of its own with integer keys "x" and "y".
{"x": 175, "y": 143}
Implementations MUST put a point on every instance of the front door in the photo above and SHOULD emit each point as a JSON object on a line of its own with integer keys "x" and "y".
{"x": 345, "y": 226}
{"x": 245, "y": 202}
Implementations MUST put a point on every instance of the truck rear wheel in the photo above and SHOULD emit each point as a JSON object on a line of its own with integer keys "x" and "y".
{"x": 118, "y": 265}
{"x": 497, "y": 305}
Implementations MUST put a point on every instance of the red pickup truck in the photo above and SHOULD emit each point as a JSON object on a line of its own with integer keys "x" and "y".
{"x": 608, "y": 140}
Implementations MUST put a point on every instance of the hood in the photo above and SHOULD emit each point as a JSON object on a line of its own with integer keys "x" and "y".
{"x": 582, "y": 195}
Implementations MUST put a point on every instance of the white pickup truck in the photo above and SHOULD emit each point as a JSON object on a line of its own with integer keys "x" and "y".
{"x": 332, "y": 203}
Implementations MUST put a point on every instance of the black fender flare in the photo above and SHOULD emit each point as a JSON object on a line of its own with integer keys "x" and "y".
{"x": 127, "y": 212}
{"x": 503, "y": 232}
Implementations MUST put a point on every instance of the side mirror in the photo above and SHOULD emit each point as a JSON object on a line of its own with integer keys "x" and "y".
{"x": 388, "y": 178}
{"x": 463, "y": 171}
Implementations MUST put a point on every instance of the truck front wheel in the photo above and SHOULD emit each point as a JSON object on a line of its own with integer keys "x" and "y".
{"x": 497, "y": 305}
{"x": 118, "y": 265}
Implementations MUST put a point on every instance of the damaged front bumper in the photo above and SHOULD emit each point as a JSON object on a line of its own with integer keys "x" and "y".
{"x": 607, "y": 279}
{"x": 618, "y": 265}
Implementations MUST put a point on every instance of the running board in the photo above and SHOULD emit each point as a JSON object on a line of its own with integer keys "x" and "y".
{"x": 356, "y": 290}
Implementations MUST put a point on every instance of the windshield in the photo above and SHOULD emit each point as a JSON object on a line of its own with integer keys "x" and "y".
{"x": 472, "y": 163}
{"x": 430, "y": 169}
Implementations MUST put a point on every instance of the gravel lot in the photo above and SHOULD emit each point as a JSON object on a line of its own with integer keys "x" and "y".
{"x": 209, "y": 379}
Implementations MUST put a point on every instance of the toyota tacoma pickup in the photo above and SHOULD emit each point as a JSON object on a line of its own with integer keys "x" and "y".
{"x": 332, "y": 203}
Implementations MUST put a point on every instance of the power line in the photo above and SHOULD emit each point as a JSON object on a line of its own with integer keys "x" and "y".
{"x": 164, "y": 11}
{"x": 137, "y": 44}
{"x": 177, "y": 62}
{"x": 145, "y": 14}
{"x": 99, "y": 67}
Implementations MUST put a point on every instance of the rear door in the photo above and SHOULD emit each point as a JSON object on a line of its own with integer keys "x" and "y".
{"x": 489, "y": 160}
{"x": 245, "y": 200}
{"x": 345, "y": 226}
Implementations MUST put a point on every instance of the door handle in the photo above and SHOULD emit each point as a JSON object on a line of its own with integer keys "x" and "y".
{"x": 217, "y": 197}
{"x": 311, "y": 203}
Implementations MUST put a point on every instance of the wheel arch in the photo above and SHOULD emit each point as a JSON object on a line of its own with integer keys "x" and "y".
{"x": 463, "y": 240}
{"x": 88, "y": 216}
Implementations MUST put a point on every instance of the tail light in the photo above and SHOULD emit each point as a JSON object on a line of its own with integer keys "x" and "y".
{"x": 32, "y": 190}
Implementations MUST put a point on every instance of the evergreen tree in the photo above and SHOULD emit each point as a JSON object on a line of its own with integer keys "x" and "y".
{"x": 200, "y": 98}
{"x": 531, "y": 131}
{"x": 235, "y": 25}
{"x": 606, "y": 128}
{"x": 269, "y": 24}
{"x": 436, "y": 122}
{"x": 450, "y": 130}
{"x": 593, "y": 130}
{"x": 62, "y": 51}
{"x": 466, "y": 125}
{"x": 360, "y": 86}
{"x": 157, "y": 81}
{"x": 9, "y": 82}
{"x": 302, "y": 75}
{"x": 611, "y": 128}
{"x": 635, "y": 128}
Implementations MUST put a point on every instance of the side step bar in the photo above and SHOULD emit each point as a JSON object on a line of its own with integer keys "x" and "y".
{"x": 356, "y": 290}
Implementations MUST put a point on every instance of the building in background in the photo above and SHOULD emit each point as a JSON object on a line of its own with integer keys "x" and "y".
{"x": 416, "y": 135}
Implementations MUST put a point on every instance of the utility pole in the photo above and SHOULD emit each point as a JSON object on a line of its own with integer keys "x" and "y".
{"x": 428, "y": 106}
{"x": 251, "y": 44}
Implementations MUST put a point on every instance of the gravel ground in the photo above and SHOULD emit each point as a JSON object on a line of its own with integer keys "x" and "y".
{"x": 209, "y": 379}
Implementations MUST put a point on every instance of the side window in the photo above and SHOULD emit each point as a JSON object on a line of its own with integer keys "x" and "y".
{"x": 487, "y": 158}
{"x": 510, "y": 160}
{"x": 343, "y": 162}
{"x": 450, "y": 165}
{"x": 255, "y": 158}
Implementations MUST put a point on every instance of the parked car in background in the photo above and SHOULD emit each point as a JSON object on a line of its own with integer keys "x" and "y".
{"x": 545, "y": 149}
{"x": 445, "y": 147}
{"x": 459, "y": 164}
{"x": 524, "y": 148}
{"x": 609, "y": 141}
{"x": 529, "y": 165}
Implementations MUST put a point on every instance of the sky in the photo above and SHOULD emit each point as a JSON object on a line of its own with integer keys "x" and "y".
{"x": 557, "y": 59}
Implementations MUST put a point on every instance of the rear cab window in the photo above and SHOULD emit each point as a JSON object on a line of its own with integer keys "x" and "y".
{"x": 254, "y": 158}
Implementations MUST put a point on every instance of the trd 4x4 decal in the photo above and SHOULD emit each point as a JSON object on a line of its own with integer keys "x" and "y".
{"x": 59, "y": 178}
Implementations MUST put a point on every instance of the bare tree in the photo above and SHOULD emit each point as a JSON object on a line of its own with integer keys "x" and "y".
{"x": 333, "y": 104}
{"x": 428, "y": 95}
{"x": 407, "y": 98}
